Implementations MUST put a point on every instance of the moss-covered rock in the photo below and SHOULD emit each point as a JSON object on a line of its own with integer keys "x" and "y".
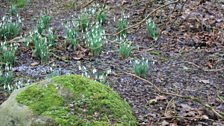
{"x": 69, "y": 100}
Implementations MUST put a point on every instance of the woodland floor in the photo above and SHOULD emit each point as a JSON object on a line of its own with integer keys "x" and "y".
{"x": 187, "y": 59}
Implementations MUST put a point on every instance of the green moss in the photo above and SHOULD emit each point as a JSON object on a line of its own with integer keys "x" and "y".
{"x": 74, "y": 100}
{"x": 40, "y": 99}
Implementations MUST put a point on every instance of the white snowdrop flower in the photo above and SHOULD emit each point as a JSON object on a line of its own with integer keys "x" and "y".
{"x": 80, "y": 68}
{"x": 18, "y": 84}
{"x": 9, "y": 88}
{"x": 96, "y": 76}
{"x": 50, "y": 69}
{"x": 85, "y": 74}
{"x": 101, "y": 77}
{"x": 7, "y": 68}
{"x": 136, "y": 61}
{"x": 19, "y": 20}
{"x": 28, "y": 81}
{"x": 94, "y": 71}
{"x": 93, "y": 11}
{"x": 4, "y": 48}
{"x": 109, "y": 71}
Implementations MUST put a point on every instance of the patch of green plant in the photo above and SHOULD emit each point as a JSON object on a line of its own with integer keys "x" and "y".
{"x": 100, "y": 76}
{"x": 125, "y": 49}
{"x": 42, "y": 23}
{"x": 6, "y": 77}
{"x": 83, "y": 21}
{"x": 8, "y": 53}
{"x": 13, "y": 10}
{"x": 71, "y": 35}
{"x": 9, "y": 28}
{"x": 41, "y": 50}
{"x": 70, "y": 5}
{"x": 101, "y": 16}
{"x": 122, "y": 25}
{"x": 152, "y": 29}
{"x": 141, "y": 67}
{"x": 19, "y": 3}
{"x": 95, "y": 39}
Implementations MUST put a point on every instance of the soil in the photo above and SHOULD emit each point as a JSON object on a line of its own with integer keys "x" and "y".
{"x": 187, "y": 59}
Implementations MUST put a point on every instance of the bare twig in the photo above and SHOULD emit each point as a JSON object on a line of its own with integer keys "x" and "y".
{"x": 168, "y": 105}
{"x": 204, "y": 69}
{"x": 85, "y": 4}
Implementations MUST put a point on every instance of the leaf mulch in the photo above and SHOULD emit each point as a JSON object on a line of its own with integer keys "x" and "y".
{"x": 187, "y": 59}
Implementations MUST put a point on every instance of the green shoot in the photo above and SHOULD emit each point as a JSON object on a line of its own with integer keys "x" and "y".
{"x": 8, "y": 53}
{"x": 95, "y": 39}
{"x": 19, "y": 3}
{"x": 42, "y": 23}
{"x": 122, "y": 26}
{"x": 8, "y": 28}
{"x": 152, "y": 29}
{"x": 125, "y": 50}
{"x": 51, "y": 37}
{"x": 141, "y": 67}
{"x": 13, "y": 10}
{"x": 83, "y": 22}
{"x": 41, "y": 50}
{"x": 6, "y": 77}
{"x": 101, "y": 16}
{"x": 71, "y": 36}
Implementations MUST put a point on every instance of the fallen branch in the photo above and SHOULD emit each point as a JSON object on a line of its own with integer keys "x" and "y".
{"x": 85, "y": 5}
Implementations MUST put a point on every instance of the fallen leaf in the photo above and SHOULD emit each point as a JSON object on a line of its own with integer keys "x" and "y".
{"x": 152, "y": 101}
{"x": 186, "y": 107}
{"x": 204, "y": 81}
{"x": 160, "y": 98}
{"x": 173, "y": 124}
{"x": 34, "y": 64}
{"x": 165, "y": 123}
{"x": 209, "y": 64}
{"x": 205, "y": 117}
